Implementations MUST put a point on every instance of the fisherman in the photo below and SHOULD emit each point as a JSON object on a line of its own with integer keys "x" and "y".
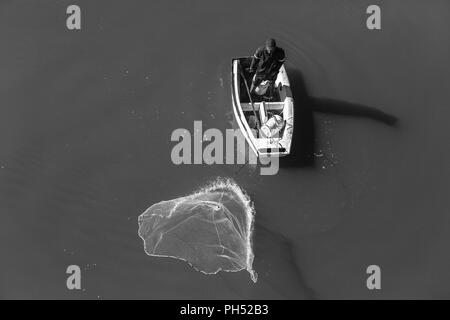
{"x": 266, "y": 63}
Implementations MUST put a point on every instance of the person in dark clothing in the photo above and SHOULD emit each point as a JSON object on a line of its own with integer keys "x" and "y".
{"x": 266, "y": 63}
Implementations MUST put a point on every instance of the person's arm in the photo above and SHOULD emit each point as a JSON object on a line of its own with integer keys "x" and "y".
{"x": 256, "y": 57}
{"x": 281, "y": 60}
{"x": 276, "y": 65}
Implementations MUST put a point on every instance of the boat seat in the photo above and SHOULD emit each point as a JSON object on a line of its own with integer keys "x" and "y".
{"x": 274, "y": 106}
{"x": 278, "y": 106}
{"x": 246, "y": 107}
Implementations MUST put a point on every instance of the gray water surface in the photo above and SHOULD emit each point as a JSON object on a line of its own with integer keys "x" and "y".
{"x": 85, "y": 124}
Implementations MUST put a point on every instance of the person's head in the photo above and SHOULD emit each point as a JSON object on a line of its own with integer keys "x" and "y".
{"x": 270, "y": 44}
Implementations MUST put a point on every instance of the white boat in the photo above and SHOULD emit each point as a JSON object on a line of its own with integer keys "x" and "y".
{"x": 267, "y": 126}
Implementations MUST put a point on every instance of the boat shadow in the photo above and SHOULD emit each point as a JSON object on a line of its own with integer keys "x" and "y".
{"x": 303, "y": 141}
